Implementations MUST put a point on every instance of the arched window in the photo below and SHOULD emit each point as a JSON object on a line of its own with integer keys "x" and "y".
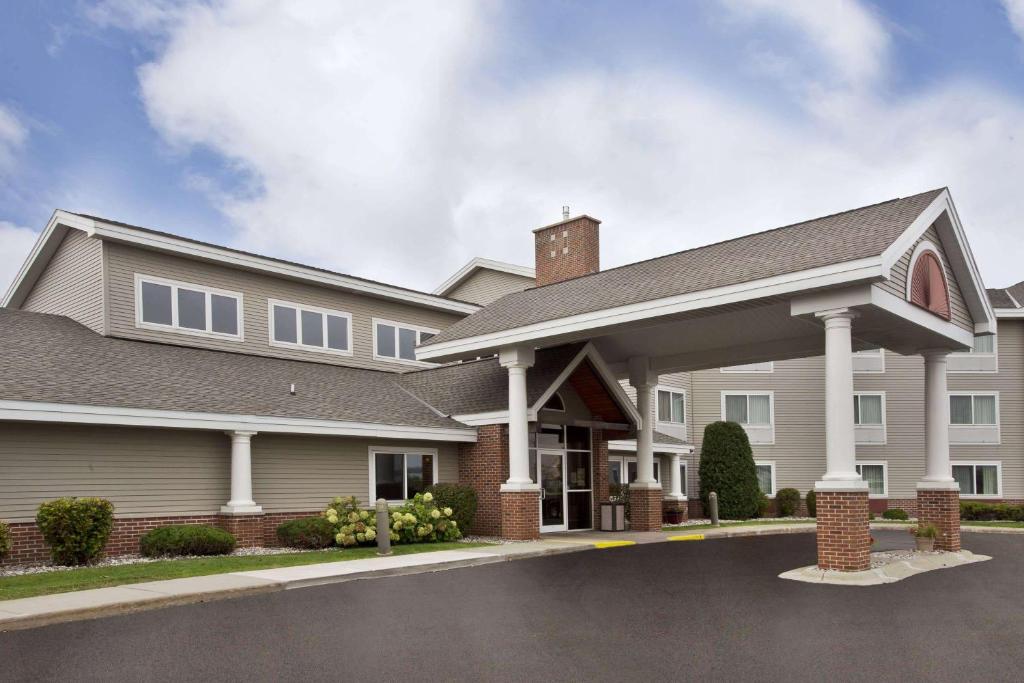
{"x": 555, "y": 403}
{"x": 928, "y": 284}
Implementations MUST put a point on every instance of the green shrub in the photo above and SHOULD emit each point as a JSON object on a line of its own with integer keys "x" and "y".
{"x": 812, "y": 503}
{"x": 788, "y": 501}
{"x": 76, "y": 529}
{"x": 460, "y": 498}
{"x": 421, "y": 521}
{"x": 727, "y": 467}
{"x": 5, "y": 539}
{"x": 308, "y": 532}
{"x": 764, "y": 505}
{"x": 186, "y": 539}
{"x": 895, "y": 513}
{"x": 985, "y": 512}
{"x": 924, "y": 531}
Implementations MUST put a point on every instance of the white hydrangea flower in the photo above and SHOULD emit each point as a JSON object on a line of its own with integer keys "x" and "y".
{"x": 447, "y": 512}
{"x": 427, "y": 497}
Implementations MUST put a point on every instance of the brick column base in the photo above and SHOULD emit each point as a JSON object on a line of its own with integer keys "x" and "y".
{"x": 941, "y": 508}
{"x": 247, "y": 529}
{"x": 644, "y": 509}
{"x": 669, "y": 505}
{"x": 844, "y": 541}
{"x": 520, "y": 515}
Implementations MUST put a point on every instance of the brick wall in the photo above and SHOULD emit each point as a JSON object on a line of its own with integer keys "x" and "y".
{"x": 484, "y": 466}
{"x": 566, "y": 250}
{"x": 680, "y": 506}
{"x": 645, "y": 509}
{"x": 247, "y": 529}
{"x": 844, "y": 540}
{"x": 520, "y": 515}
{"x": 941, "y": 508}
{"x": 600, "y": 462}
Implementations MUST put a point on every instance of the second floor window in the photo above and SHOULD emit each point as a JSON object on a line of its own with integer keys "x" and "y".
{"x": 748, "y": 409}
{"x": 671, "y": 406}
{"x": 867, "y": 409}
{"x": 972, "y": 409}
{"x": 311, "y": 328}
{"x": 188, "y": 308}
{"x": 395, "y": 341}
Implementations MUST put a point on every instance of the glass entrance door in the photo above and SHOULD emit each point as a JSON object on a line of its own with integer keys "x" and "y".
{"x": 552, "y": 491}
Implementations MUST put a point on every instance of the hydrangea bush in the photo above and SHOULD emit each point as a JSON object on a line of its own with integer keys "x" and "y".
{"x": 419, "y": 520}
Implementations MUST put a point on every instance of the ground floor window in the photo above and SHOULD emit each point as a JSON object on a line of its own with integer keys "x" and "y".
{"x": 766, "y": 477}
{"x": 626, "y": 465}
{"x": 399, "y": 475}
{"x": 874, "y": 474}
{"x": 978, "y": 479}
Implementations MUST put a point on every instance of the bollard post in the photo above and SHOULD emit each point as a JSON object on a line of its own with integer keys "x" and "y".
{"x": 383, "y": 527}
{"x": 713, "y": 504}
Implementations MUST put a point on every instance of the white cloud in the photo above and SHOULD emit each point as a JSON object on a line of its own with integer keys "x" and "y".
{"x": 380, "y": 146}
{"x": 17, "y": 242}
{"x": 1015, "y": 13}
{"x": 12, "y": 136}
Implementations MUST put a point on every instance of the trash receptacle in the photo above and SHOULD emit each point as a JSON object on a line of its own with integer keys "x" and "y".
{"x": 613, "y": 516}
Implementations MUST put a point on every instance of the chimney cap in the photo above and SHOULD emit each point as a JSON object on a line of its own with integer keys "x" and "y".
{"x": 565, "y": 212}
{"x": 568, "y": 220}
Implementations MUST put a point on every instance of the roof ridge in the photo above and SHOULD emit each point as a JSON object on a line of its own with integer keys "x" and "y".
{"x": 741, "y": 237}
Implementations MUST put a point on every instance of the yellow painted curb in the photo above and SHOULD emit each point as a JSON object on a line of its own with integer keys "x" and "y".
{"x": 613, "y": 544}
{"x": 689, "y": 537}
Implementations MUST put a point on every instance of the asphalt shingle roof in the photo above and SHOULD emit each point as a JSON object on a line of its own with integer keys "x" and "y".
{"x": 999, "y": 298}
{"x": 848, "y": 236}
{"x": 50, "y": 358}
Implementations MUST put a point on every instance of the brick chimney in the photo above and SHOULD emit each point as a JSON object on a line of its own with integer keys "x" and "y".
{"x": 567, "y": 249}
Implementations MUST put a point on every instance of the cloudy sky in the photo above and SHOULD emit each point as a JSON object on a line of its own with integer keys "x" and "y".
{"x": 397, "y": 140}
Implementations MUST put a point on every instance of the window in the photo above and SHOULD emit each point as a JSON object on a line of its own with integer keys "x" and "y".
{"x": 978, "y": 479}
{"x": 398, "y": 475}
{"x": 398, "y": 342}
{"x": 867, "y": 409}
{"x": 310, "y": 328}
{"x": 926, "y": 286}
{"x": 748, "y": 409}
{"x": 768, "y": 366}
{"x": 189, "y": 309}
{"x": 671, "y": 406}
{"x": 555, "y": 403}
{"x": 972, "y": 409}
{"x": 684, "y": 482}
{"x": 766, "y": 477}
{"x": 631, "y": 470}
{"x": 981, "y": 357}
{"x": 875, "y": 475}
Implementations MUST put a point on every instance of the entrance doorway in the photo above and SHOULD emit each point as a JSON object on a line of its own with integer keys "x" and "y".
{"x": 552, "y": 491}
{"x": 562, "y": 465}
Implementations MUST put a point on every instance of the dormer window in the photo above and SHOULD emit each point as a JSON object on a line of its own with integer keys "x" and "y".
{"x": 185, "y": 308}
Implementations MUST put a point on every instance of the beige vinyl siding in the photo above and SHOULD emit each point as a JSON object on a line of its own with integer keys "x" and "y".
{"x": 1009, "y": 382}
{"x": 143, "y": 472}
{"x": 897, "y": 282}
{"x": 72, "y": 283}
{"x": 303, "y": 473}
{"x": 124, "y": 262}
{"x": 486, "y": 285}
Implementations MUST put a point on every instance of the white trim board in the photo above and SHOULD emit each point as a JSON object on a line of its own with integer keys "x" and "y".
{"x": 32, "y": 411}
{"x": 61, "y": 220}
{"x": 479, "y": 263}
{"x": 629, "y": 446}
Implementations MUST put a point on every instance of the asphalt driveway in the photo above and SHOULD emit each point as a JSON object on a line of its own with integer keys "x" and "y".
{"x": 712, "y": 610}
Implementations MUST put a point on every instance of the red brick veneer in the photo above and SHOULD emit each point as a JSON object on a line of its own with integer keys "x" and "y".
{"x": 599, "y": 448}
{"x": 520, "y": 515}
{"x": 484, "y": 466}
{"x": 668, "y": 505}
{"x": 247, "y": 529}
{"x": 644, "y": 509}
{"x": 576, "y": 253}
{"x": 941, "y": 508}
{"x": 844, "y": 540}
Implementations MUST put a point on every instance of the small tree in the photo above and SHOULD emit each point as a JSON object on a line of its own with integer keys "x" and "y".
{"x": 727, "y": 468}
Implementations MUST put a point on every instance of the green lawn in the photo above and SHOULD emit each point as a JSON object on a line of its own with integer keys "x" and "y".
{"x": 748, "y": 522}
{"x": 12, "y": 587}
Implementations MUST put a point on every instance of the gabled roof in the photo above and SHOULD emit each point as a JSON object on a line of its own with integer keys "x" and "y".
{"x": 482, "y": 264}
{"x": 50, "y": 359}
{"x": 855, "y": 245}
{"x": 1009, "y": 301}
{"x": 147, "y": 238}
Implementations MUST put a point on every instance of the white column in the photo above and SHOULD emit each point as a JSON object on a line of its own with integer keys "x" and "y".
{"x": 516, "y": 360}
{"x": 241, "y": 475}
{"x": 938, "y": 473}
{"x": 643, "y": 381}
{"x": 840, "y": 448}
{"x": 677, "y": 480}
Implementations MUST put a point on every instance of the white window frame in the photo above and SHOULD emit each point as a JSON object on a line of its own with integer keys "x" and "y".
{"x": 394, "y": 450}
{"x": 998, "y": 495}
{"x": 417, "y": 328}
{"x": 624, "y": 461}
{"x": 985, "y": 434}
{"x": 175, "y": 285}
{"x": 885, "y": 476}
{"x": 871, "y": 434}
{"x": 686, "y": 404}
{"x": 545, "y": 406}
{"x": 750, "y": 368}
{"x": 684, "y": 476}
{"x": 869, "y": 362}
{"x": 324, "y": 312}
{"x": 769, "y": 463}
{"x": 763, "y": 435}
{"x": 969, "y": 362}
